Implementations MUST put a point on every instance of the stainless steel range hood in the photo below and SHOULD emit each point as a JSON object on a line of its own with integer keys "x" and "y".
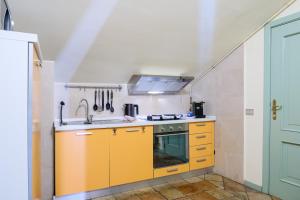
{"x": 155, "y": 84}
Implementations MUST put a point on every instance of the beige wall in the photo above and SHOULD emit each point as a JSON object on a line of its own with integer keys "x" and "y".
{"x": 254, "y": 84}
{"x": 47, "y": 136}
{"x": 222, "y": 90}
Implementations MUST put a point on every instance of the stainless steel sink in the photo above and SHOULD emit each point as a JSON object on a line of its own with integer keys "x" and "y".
{"x": 111, "y": 121}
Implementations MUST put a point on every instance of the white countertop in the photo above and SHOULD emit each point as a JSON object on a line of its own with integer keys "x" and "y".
{"x": 138, "y": 122}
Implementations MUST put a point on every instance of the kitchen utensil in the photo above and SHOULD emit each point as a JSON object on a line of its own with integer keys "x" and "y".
{"x": 131, "y": 110}
{"x": 61, "y": 122}
{"x": 95, "y": 107}
{"x": 111, "y": 101}
{"x": 99, "y": 101}
{"x": 102, "y": 100}
{"x": 107, "y": 104}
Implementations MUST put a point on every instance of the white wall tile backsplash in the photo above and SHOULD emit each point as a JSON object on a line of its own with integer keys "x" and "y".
{"x": 148, "y": 104}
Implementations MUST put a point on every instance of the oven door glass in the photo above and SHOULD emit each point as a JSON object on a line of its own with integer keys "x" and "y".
{"x": 170, "y": 149}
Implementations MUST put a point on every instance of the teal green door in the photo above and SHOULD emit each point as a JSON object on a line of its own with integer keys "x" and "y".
{"x": 285, "y": 120}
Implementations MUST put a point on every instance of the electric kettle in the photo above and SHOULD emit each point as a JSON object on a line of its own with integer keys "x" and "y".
{"x": 131, "y": 110}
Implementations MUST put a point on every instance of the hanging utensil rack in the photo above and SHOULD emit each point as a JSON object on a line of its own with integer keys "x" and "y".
{"x": 93, "y": 87}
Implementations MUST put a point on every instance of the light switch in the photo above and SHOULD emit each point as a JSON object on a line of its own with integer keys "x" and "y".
{"x": 249, "y": 111}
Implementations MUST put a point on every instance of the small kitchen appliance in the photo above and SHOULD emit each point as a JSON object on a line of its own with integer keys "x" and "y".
{"x": 170, "y": 144}
{"x": 198, "y": 109}
{"x": 131, "y": 110}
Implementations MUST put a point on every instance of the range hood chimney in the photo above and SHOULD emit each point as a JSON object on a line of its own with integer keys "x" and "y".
{"x": 156, "y": 84}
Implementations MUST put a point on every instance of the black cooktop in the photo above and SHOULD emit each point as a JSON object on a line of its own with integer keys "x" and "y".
{"x": 164, "y": 117}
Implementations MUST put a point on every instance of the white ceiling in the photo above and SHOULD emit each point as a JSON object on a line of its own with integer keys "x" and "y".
{"x": 108, "y": 40}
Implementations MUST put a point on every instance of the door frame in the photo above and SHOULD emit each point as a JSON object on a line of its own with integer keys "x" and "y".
{"x": 267, "y": 96}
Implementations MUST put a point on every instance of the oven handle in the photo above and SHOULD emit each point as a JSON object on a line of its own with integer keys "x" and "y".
{"x": 172, "y": 134}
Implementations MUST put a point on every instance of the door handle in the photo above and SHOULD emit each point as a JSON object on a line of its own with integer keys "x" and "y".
{"x": 275, "y": 107}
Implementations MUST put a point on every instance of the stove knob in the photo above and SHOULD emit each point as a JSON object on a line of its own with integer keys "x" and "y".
{"x": 162, "y": 130}
{"x": 180, "y": 128}
{"x": 171, "y": 128}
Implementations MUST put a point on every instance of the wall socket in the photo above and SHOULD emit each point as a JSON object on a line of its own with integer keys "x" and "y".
{"x": 249, "y": 111}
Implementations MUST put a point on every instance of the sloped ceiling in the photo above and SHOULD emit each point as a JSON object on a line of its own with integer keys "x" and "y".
{"x": 107, "y": 41}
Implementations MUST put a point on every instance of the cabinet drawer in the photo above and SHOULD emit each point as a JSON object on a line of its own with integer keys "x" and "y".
{"x": 200, "y": 127}
{"x": 200, "y": 138}
{"x": 201, "y": 150}
{"x": 166, "y": 171}
{"x": 201, "y": 162}
{"x": 136, "y": 129}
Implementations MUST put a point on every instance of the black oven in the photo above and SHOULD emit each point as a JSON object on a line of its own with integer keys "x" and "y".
{"x": 170, "y": 144}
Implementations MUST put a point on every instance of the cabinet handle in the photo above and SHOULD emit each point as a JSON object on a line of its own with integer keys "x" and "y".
{"x": 172, "y": 170}
{"x": 132, "y": 131}
{"x": 200, "y": 124}
{"x": 84, "y": 133}
{"x": 201, "y": 160}
{"x": 201, "y": 148}
{"x": 200, "y": 137}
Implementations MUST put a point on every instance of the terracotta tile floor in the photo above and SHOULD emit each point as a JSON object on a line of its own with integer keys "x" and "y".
{"x": 205, "y": 187}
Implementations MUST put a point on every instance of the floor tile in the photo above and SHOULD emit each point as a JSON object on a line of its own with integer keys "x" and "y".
{"x": 220, "y": 193}
{"x": 219, "y": 184}
{"x": 177, "y": 182}
{"x": 131, "y": 195}
{"x": 208, "y": 187}
{"x": 193, "y": 179}
{"x": 233, "y": 186}
{"x": 149, "y": 194}
{"x": 184, "y": 198}
{"x": 105, "y": 198}
{"x": 213, "y": 177}
{"x": 258, "y": 196}
{"x": 192, "y": 188}
{"x": 241, "y": 195}
{"x": 202, "y": 196}
{"x": 168, "y": 191}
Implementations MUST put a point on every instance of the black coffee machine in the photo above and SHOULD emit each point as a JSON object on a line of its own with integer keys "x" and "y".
{"x": 198, "y": 109}
{"x": 131, "y": 110}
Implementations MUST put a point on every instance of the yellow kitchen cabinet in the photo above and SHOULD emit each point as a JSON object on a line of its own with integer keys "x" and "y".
{"x": 201, "y": 142}
{"x": 131, "y": 155}
{"x": 81, "y": 161}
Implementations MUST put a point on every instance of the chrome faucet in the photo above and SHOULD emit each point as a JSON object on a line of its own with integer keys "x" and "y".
{"x": 89, "y": 118}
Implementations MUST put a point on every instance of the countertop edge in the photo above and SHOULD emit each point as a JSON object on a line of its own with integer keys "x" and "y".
{"x": 130, "y": 124}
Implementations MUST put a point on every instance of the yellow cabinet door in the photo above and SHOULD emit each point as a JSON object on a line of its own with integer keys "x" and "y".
{"x": 131, "y": 155}
{"x": 81, "y": 161}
